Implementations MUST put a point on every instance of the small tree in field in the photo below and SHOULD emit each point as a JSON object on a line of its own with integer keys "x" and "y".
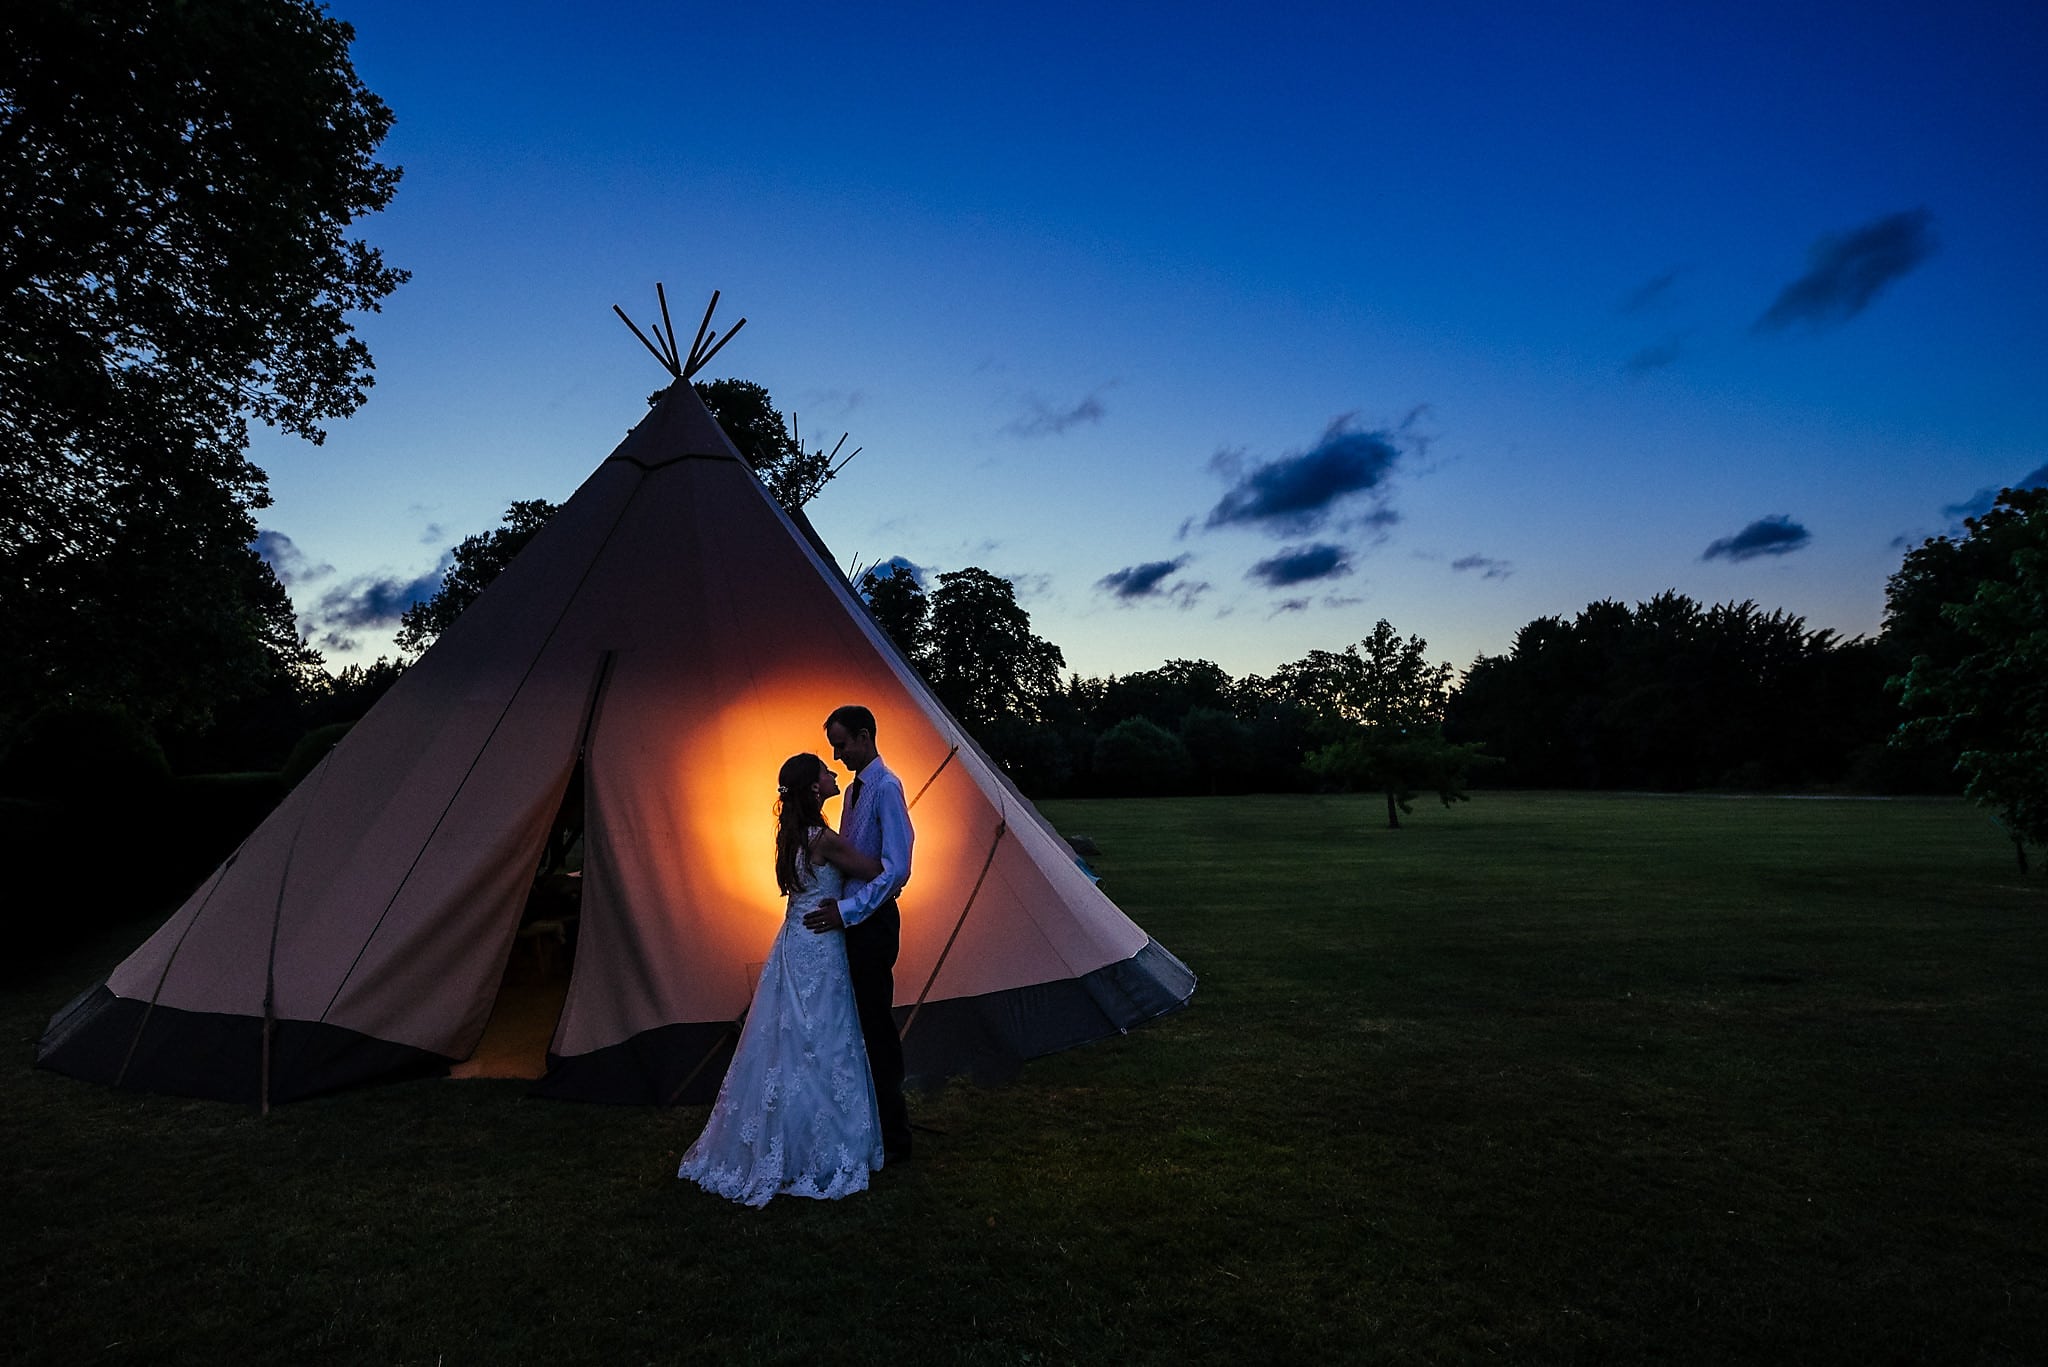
{"x": 1383, "y": 702}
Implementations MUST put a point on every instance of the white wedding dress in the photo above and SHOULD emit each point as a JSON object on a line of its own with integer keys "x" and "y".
{"x": 796, "y": 1113}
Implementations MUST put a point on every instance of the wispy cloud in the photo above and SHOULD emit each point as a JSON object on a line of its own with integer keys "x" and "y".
{"x": 1298, "y": 494}
{"x": 1488, "y": 567}
{"x": 1773, "y": 535}
{"x": 1301, "y": 565}
{"x": 1848, "y": 270}
{"x": 1042, "y": 419}
{"x": 833, "y": 403}
{"x": 1976, "y": 505}
{"x": 1141, "y": 581}
{"x": 1656, "y": 290}
{"x": 1656, "y": 356}
{"x": 1030, "y": 586}
{"x": 1288, "y": 605}
{"x": 369, "y": 602}
{"x": 290, "y": 564}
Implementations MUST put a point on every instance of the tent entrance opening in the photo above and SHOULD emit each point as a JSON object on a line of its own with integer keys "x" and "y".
{"x": 535, "y": 984}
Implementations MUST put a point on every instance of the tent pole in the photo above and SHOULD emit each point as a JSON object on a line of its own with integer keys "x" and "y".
{"x": 1002, "y": 829}
{"x": 642, "y": 336}
{"x": 933, "y": 779}
{"x": 690, "y": 364}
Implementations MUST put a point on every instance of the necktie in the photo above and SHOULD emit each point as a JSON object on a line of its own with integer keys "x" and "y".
{"x": 852, "y": 799}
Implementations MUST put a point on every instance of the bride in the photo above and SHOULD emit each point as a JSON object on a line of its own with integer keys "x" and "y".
{"x": 796, "y": 1112}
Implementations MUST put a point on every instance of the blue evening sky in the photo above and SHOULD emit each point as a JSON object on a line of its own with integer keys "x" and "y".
{"x": 1223, "y": 331}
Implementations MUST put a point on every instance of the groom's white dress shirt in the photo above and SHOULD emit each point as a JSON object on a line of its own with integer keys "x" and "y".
{"x": 879, "y": 826}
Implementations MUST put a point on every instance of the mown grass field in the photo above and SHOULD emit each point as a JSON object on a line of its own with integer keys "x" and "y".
{"x": 1545, "y": 1078}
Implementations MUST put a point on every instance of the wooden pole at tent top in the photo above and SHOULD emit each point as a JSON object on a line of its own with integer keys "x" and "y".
{"x": 663, "y": 344}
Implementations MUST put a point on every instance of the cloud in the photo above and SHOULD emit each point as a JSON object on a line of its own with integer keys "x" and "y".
{"x": 1296, "y": 494}
{"x": 1655, "y": 356}
{"x": 1141, "y": 581}
{"x": 290, "y": 564}
{"x": 899, "y": 564}
{"x": 1976, "y": 505}
{"x": 1655, "y": 290}
{"x": 1301, "y": 565}
{"x": 1030, "y": 587}
{"x": 1488, "y": 568}
{"x": 1043, "y": 420}
{"x": 368, "y": 602}
{"x": 1848, "y": 270}
{"x": 1773, "y": 535}
{"x": 833, "y": 403}
{"x": 1288, "y": 605}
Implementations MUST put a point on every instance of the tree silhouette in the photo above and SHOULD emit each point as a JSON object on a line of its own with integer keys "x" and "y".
{"x": 1986, "y": 690}
{"x": 981, "y": 656}
{"x": 1382, "y": 702}
{"x": 178, "y": 181}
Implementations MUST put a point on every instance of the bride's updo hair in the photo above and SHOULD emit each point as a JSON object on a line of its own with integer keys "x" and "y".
{"x": 797, "y": 811}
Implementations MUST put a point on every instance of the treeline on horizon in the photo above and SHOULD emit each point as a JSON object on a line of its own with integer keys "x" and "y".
{"x": 1668, "y": 695}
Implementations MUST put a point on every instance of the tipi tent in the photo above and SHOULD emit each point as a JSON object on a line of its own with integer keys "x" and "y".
{"x": 668, "y": 639}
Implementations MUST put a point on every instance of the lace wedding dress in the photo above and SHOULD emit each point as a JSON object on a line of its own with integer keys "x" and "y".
{"x": 796, "y": 1113}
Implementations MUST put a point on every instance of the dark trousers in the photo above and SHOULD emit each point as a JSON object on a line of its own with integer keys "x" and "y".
{"x": 871, "y": 957}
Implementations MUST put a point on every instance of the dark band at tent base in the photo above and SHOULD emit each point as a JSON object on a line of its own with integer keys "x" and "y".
{"x": 117, "y": 1041}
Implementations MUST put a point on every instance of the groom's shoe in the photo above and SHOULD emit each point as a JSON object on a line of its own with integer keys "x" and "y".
{"x": 892, "y": 1156}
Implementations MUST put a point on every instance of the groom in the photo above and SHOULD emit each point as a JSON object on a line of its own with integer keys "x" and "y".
{"x": 875, "y": 821}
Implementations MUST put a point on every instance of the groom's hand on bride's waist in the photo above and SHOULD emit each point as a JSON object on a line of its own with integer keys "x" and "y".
{"x": 824, "y": 916}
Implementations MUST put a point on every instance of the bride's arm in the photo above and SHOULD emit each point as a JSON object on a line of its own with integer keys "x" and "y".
{"x": 834, "y": 849}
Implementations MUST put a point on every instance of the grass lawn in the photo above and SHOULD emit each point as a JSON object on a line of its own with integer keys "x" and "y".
{"x": 1544, "y": 1078}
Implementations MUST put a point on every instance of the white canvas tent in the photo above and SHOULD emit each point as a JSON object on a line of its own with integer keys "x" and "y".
{"x": 681, "y": 634}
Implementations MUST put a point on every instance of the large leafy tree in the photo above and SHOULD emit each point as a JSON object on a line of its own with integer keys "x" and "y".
{"x": 1980, "y": 681}
{"x": 177, "y": 178}
{"x": 981, "y": 656}
{"x": 897, "y": 602}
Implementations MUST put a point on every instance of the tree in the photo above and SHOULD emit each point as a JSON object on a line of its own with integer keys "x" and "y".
{"x": 897, "y": 602}
{"x": 1138, "y": 755}
{"x": 1385, "y": 702}
{"x": 1219, "y": 747}
{"x": 981, "y": 656}
{"x": 749, "y": 416}
{"x": 1986, "y": 693}
{"x": 1671, "y": 695}
{"x": 177, "y": 180}
{"x": 478, "y": 560}
{"x": 1165, "y": 695}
